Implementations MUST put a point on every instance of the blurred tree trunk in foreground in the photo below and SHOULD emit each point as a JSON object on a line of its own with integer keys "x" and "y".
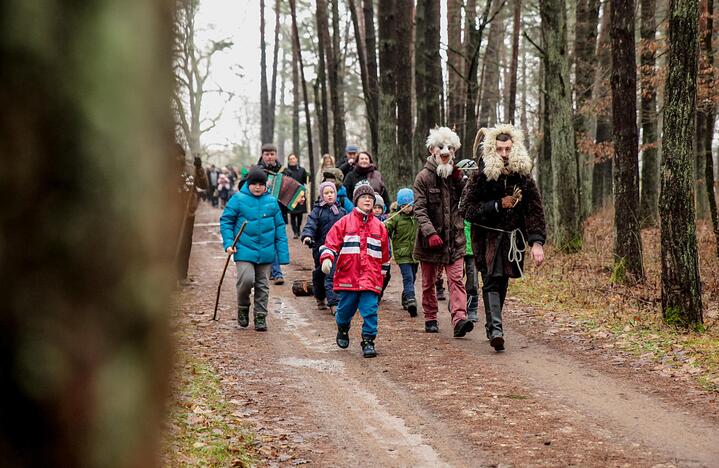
{"x": 84, "y": 247}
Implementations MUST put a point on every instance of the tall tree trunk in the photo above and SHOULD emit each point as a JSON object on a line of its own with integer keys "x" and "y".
{"x": 265, "y": 133}
{"x": 628, "y": 265}
{"x": 681, "y": 285}
{"x": 428, "y": 74}
{"x": 602, "y": 168}
{"x": 337, "y": 79}
{"x": 403, "y": 74}
{"x": 707, "y": 114}
{"x": 273, "y": 89}
{"x": 523, "y": 119}
{"x": 387, "y": 156}
{"x": 455, "y": 62}
{"x": 308, "y": 119}
{"x": 544, "y": 171}
{"x": 372, "y": 72}
{"x": 471, "y": 52}
{"x": 296, "y": 96}
{"x": 362, "y": 57}
{"x": 648, "y": 212}
{"x": 84, "y": 345}
{"x": 515, "y": 60}
{"x": 490, "y": 72}
{"x": 281, "y": 125}
{"x": 704, "y": 109}
{"x": 324, "y": 129}
{"x": 585, "y": 63}
{"x": 567, "y": 229}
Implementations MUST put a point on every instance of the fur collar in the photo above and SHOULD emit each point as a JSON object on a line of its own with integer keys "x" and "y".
{"x": 519, "y": 160}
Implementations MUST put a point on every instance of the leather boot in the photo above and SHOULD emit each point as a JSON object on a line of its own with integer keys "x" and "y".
{"x": 496, "y": 335}
{"x": 462, "y": 328}
{"x": 472, "y": 304}
{"x": 412, "y": 306}
{"x": 260, "y": 322}
{"x": 430, "y": 326}
{"x": 343, "y": 336}
{"x": 243, "y": 316}
{"x": 368, "y": 350}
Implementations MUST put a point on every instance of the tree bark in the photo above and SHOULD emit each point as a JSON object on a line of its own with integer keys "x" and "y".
{"x": 264, "y": 94}
{"x": 324, "y": 129}
{"x": 428, "y": 74}
{"x": 455, "y": 62}
{"x": 681, "y": 286}
{"x": 308, "y": 119}
{"x": 585, "y": 63}
{"x": 627, "y": 236}
{"x": 602, "y": 168}
{"x": 648, "y": 212}
{"x": 403, "y": 87}
{"x": 511, "y": 108}
{"x": 273, "y": 88}
{"x": 337, "y": 79}
{"x": 471, "y": 51}
{"x": 567, "y": 229}
{"x": 490, "y": 71}
{"x": 388, "y": 47}
{"x": 84, "y": 343}
{"x": 372, "y": 72}
{"x": 296, "y": 97}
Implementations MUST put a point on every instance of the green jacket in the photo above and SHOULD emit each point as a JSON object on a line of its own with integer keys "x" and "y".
{"x": 467, "y": 230}
{"x": 402, "y": 231}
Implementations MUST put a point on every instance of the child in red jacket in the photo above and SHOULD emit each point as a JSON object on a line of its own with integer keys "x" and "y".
{"x": 359, "y": 244}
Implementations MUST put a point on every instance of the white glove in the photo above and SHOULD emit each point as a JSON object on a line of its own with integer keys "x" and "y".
{"x": 326, "y": 266}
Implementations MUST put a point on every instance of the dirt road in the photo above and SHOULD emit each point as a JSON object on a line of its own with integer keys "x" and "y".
{"x": 431, "y": 400}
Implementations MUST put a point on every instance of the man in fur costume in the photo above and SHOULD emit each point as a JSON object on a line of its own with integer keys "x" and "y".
{"x": 440, "y": 242}
{"x": 504, "y": 206}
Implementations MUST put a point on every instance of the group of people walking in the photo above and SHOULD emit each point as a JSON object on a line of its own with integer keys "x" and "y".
{"x": 481, "y": 214}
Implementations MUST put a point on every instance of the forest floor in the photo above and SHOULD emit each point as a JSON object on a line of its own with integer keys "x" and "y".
{"x": 590, "y": 377}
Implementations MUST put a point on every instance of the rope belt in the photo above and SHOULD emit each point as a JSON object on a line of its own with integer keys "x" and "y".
{"x": 515, "y": 253}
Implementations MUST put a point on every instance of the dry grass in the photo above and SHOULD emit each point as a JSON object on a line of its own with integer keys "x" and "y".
{"x": 579, "y": 286}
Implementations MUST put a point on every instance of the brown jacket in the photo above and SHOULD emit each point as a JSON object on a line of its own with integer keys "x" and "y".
{"x": 192, "y": 178}
{"x": 481, "y": 205}
{"x": 435, "y": 206}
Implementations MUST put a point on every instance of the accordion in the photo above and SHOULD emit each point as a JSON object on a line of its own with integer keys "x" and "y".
{"x": 285, "y": 189}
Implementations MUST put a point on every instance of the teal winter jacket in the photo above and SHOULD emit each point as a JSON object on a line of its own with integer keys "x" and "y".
{"x": 263, "y": 237}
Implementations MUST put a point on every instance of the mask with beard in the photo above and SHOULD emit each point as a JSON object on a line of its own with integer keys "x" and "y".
{"x": 444, "y": 170}
{"x": 442, "y": 142}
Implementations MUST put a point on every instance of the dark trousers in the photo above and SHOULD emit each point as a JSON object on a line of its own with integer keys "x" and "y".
{"x": 214, "y": 199}
{"x": 322, "y": 285}
{"x": 494, "y": 284}
{"x": 296, "y": 221}
{"x": 182, "y": 262}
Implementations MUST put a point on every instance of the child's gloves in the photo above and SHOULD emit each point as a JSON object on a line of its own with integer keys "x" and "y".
{"x": 435, "y": 241}
{"x": 326, "y": 266}
{"x": 308, "y": 241}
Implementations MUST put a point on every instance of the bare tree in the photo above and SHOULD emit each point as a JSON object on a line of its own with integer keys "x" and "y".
{"x": 192, "y": 70}
{"x": 322, "y": 38}
{"x": 455, "y": 64}
{"x": 267, "y": 102}
{"x": 517, "y": 4}
{"x": 648, "y": 213}
{"x": 681, "y": 285}
{"x": 428, "y": 74}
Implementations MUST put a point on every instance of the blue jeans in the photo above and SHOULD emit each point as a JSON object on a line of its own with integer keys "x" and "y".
{"x": 276, "y": 271}
{"x": 367, "y": 302}
{"x": 409, "y": 274}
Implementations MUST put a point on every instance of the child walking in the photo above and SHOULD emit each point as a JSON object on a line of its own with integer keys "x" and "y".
{"x": 358, "y": 244}
{"x": 402, "y": 230}
{"x": 323, "y": 216}
{"x": 263, "y": 239}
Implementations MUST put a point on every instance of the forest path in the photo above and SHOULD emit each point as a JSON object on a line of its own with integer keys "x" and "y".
{"x": 427, "y": 400}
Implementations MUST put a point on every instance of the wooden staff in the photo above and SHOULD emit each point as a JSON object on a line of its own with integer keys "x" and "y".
{"x": 224, "y": 270}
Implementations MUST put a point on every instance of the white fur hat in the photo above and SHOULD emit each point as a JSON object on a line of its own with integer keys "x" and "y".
{"x": 519, "y": 160}
{"x": 443, "y": 136}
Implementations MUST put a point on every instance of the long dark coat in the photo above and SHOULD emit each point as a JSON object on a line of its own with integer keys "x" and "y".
{"x": 481, "y": 205}
{"x": 435, "y": 206}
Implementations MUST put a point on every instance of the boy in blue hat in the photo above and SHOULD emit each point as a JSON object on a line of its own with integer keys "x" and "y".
{"x": 402, "y": 229}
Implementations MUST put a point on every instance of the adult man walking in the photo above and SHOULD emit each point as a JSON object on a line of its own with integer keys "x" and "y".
{"x": 504, "y": 206}
{"x": 440, "y": 240}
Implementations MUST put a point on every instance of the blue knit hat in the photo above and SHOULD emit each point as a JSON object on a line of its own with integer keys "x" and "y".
{"x": 405, "y": 196}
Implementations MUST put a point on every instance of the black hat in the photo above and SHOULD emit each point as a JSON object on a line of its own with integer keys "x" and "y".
{"x": 256, "y": 176}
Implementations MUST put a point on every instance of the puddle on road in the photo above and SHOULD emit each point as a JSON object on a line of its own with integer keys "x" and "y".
{"x": 322, "y": 365}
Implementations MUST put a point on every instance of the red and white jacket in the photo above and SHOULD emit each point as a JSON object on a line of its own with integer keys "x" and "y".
{"x": 360, "y": 245}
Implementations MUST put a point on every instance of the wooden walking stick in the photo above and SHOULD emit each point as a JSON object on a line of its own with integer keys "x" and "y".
{"x": 224, "y": 270}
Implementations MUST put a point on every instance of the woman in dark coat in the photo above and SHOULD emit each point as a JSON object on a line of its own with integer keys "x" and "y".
{"x": 366, "y": 170}
{"x": 298, "y": 173}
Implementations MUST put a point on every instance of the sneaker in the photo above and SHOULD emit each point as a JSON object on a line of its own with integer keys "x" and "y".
{"x": 430, "y": 326}
{"x": 243, "y": 316}
{"x": 497, "y": 342}
{"x": 279, "y": 280}
{"x": 260, "y": 323}
{"x": 321, "y": 304}
{"x": 343, "y": 336}
{"x": 368, "y": 350}
{"x": 412, "y": 306}
{"x": 462, "y": 328}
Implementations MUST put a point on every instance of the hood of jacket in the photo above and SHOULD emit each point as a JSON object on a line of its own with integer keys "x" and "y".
{"x": 519, "y": 160}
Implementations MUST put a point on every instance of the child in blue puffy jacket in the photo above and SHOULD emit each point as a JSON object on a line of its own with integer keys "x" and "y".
{"x": 264, "y": 238}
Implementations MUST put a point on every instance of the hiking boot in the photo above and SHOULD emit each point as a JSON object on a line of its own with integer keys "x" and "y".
{"x": 440, "y": 295}
{"x": 367, "y": 344}
{"x": 343, "y": 336}
{"x": 462, "y": 328}
{"x": 243, "y": 316}
{"x": 430, "y": 326}
{"x": 261, "y": 323}
{"x": 279, "y": 280}
{"x": 321, "y": 304}
{"x": 404, "y": 302}
{"x": 412, "y": 306}
{"x": 497, "y": 342}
